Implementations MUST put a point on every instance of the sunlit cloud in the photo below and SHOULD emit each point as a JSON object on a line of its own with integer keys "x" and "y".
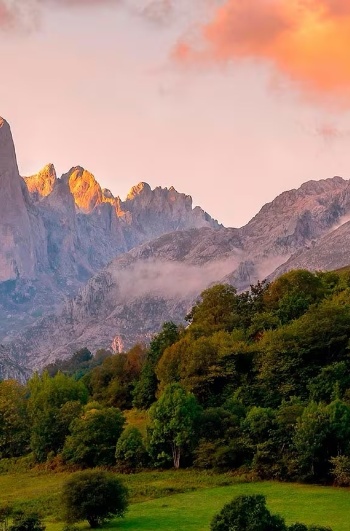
{"x": 307, "y": 41}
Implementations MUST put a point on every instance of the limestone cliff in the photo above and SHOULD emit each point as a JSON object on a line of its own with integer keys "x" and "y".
{"x": 17, "y": 253}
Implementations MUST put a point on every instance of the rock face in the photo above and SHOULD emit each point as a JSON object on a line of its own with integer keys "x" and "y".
{"x": 295, "y": 220}
{"x": 55, "y": 233}
{"x": 130, "y": 299}
{"x": 331, "y": 252}
{"x": 17, "y": 253}
{"x": 42, "y": 184}
{"x": 80, "y": 267}
{"x": 146, "y": 212}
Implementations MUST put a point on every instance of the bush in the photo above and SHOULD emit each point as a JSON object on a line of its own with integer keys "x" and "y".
{"x": 95, "y": 496}
{"x": 23, "y": 521}
{"x": 341, "y": 470}
{"x": 247, "y": 513}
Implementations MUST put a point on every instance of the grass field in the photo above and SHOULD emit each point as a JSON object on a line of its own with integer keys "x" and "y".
{"x": 183, "y": 500}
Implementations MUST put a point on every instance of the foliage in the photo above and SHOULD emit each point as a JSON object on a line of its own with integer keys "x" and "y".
{"x": 95, "y": 496}
{"x": 5, "y": 513}
{"x": 130, "y": 451}
{"x": 52, "y": 405}
{"x": 94, "y": 436}
{"x": 14, "y": 434}
{"x": 30, "y": 521}
{"x": 144, "y": 393}
{"x": 247, "y": 513}
{"x": 341, "y": 470}
{"x": 112, "y": 382}
{"x": 174, "y": 420}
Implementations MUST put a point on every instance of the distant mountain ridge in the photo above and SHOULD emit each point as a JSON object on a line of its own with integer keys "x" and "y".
{"x": 80, "y": 267}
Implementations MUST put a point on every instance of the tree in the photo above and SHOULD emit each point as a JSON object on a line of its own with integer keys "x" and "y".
{"x": 215, "y": 311}
{"x": 94, "y": 436}
{"x": 112, "y": 383}
{"x": 130, "y": 452}
{"x": 14, "y": 435}
{"x": 95, "y": 496}
{"x": 53, "y": 404}
{"x": 145, "y": 389}
{"x": 247, "y": 513}
{"x": 173, "y": 420}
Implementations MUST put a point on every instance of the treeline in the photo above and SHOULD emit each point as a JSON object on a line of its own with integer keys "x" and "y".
{"x": 258, "y": 382}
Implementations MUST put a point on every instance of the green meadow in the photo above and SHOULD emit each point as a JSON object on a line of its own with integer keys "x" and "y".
{"x": 182, "y": 500}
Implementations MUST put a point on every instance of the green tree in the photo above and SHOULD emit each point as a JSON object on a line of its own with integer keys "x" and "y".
{"x": 94, "y": 436}
{"x": 174, "y": 420}
{"x": 312, "y": 437}
{"x": 95, "y": 496}
{"x": 112, "y": 382}
{"x": 14, "y": 433}
{"x": 214, "y": 311}
{"x": 52, "y": 405}
{"x": 332, "y": 382}
{"x": 247, "y": 513}
{"x": 130, "y": 451}
{"x": 144, "y": 393}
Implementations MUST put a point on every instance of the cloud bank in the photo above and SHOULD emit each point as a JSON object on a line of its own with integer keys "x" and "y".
{"x": 307, "y": 41}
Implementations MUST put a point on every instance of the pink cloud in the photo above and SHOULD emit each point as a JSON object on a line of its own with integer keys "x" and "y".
{"x": 307, "y": 41}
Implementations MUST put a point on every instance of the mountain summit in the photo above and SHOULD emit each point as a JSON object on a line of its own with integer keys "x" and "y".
{"x": 17, "y": 254}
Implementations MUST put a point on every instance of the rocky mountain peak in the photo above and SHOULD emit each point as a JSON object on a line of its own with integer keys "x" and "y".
{"x": 140, "y": 189}
{"x": 16, "y": 250}
{"x": 86, "y": 191}
{"x": 42, "y": 183}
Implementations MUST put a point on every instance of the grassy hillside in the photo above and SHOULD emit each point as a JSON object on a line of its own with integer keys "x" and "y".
{"x": 183, "y": 500}
{"x": 194, "y": 511}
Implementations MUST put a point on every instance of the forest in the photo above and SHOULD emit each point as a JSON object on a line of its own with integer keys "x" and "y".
{"x": 257, "y": 383}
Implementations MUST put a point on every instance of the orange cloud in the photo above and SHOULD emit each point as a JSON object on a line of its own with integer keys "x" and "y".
{"x": 306, "y": 40}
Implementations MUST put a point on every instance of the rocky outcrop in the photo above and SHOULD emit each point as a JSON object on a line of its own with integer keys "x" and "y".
{"x": 148, "y": 213}
{"x": 17, "y": 251}
{"x": 85, "y": 189}
{"x": 42, "y": 184}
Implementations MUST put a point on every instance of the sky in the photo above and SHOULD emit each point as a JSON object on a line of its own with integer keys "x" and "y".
{"x": 229, "y": 101}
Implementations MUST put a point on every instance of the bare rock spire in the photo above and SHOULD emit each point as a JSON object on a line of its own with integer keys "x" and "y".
{"x": 17, "y": 256}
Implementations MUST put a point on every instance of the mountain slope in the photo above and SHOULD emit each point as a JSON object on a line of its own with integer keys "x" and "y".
{"x": 129, "y": 300}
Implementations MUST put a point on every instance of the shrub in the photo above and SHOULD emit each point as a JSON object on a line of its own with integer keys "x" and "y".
{"x": 247, "y": 513}
{"x": 23, "y": 521}
{"x": 95, "y": 496}
{"x": 341, "y": 470}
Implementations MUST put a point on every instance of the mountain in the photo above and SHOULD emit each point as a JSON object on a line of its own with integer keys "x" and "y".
{"x": 331, "y": 252}
{"x": 89, "y": 269}
{"x": 130, "y": 299}
{"x": 17, "y": 249}
{"x": 56, "y": 233}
